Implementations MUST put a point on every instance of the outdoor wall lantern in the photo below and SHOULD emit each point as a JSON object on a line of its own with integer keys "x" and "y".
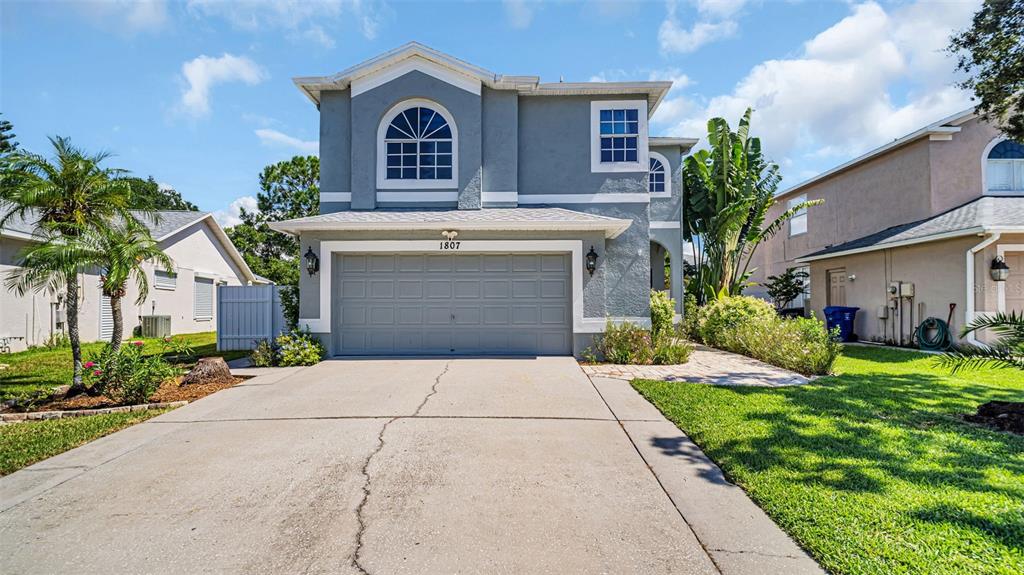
{"x": 591, "y": 260}
{"x": 999, "y": 271}
{"x": 312, "y": 262}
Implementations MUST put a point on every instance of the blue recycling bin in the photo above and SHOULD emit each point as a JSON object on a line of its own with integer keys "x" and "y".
{"x": 841, "y": 317}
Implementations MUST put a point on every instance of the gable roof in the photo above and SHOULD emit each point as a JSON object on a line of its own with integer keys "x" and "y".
{"x": 414, "y": 55}
{"x": 505, "y": 219}
{"x": 170, "y": 222}
{"x": 985, "y": 214}
{"x": 941, "y": 130}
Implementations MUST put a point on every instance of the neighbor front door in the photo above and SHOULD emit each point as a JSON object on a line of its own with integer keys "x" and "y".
{"x": 837, "y": 287}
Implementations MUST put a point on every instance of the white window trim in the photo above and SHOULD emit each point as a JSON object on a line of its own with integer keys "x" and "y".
{"x": 668, "y": 175}
{"x": 580, "y": 324}
{"x": 383, "y": 183}
{"x": 213, "y": 296}
{"x": 796, "y": 200}
{"x": 643, "y": 163}
{"x": 174, "y": 276}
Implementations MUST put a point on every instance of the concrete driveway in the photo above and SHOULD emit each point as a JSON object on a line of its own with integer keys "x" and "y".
{"x": 394, "y": 466}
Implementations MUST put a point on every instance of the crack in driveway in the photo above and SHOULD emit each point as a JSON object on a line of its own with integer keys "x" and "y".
{"x": 361, "y": 531}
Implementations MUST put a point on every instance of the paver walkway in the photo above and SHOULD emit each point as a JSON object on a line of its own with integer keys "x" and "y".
{"x": 394, "y": 466}
{"x": 706, "y": 365}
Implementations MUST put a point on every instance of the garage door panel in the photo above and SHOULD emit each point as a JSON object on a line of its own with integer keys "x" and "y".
{"x": 454, "y": 303}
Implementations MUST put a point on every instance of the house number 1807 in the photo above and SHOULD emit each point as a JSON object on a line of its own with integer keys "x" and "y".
{"x": 450, "y": 245}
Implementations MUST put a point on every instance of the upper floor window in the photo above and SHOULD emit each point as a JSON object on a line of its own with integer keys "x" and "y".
{"x": 798, "y": 223}
{"x": 1005, "y": 168}
{"x": 417, "y": 147}
{"x": 618, "y": 133}
{"x": 659, "y": 179}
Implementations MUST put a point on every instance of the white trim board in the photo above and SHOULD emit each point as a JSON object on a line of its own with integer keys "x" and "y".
{"x": 419, "y": 64}
{"x": 537, "y": 199}
{"x": 580, "y": 324}
{"x": 418, "y": 196}
{"x": 665, "y": 225}
{"x": 1001, "y": 250}
{"x": 335, "y": 196}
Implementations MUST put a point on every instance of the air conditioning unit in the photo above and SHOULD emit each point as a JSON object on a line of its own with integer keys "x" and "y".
{"x": 156, "y": 325}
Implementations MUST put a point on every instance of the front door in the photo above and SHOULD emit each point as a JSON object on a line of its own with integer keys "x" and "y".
{"x": 837, "y": 287}
{"x": 1015, "y": 283}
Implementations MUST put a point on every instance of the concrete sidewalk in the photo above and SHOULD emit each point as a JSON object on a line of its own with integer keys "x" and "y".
{"x": 394, "y": 466}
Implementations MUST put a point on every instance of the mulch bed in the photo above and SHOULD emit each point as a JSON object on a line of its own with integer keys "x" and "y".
{"x": 1001, "y": 415}
{"x": 169, "y": 391}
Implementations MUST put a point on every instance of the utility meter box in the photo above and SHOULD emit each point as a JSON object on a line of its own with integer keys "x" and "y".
{"x": 906, "y": 289}
{"x": 894, "y": 290}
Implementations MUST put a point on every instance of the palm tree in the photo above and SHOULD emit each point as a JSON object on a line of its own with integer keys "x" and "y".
{"x": 1006, "y": 352}
{"x": 120, "y": 251}
{"x": 727, "y": 192}
{"x": 68, "y": 195}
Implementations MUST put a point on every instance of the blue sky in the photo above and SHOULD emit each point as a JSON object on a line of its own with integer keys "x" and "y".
{"x": 198, "y": 94}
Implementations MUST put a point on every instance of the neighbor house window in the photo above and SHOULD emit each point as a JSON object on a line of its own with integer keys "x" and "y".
{"x": 798, "y": 223}
{"x": 165, "y": 280}
{"x": 806, "y": 296}
{"x": 618, "y": 136}
{"x": 203, "y": 299}
{"x": 659, "y": 180}
{"x": 417, "y": 147}
{"x": 1005, "y": 168}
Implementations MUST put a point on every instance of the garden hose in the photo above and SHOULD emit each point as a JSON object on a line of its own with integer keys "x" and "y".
{"x": 939, "y": 340}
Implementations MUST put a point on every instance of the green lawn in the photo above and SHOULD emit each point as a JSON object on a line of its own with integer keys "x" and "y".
{"x": 22, "y": 444}
{"x": 37, "y": 369}
{"x": 872, "y": 470}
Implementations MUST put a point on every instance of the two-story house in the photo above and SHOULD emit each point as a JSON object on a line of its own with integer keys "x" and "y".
{"x": 910, "y": 229}
{"x": 468, "y": 212}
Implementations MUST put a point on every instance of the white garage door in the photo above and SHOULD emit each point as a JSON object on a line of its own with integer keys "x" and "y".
{"x": 453, "y": 304}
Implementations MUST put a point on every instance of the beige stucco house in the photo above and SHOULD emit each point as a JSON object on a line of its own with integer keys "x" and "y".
{"x": 203, "y": 256}
{"x": 924, "y": 215}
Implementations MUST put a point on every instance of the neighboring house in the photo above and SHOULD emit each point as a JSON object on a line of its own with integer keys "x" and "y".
{"x": 460, "y": 208}
{"x": 203, "y": 257}
{"x": 932, "y": 209}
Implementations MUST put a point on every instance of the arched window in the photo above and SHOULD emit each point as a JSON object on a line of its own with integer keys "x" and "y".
{"x": 417, "y": 147}
{"x": 659, "y": 177}
{"x": 1004, "y": 169}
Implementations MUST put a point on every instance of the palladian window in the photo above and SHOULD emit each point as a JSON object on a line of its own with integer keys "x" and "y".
{"x": 418, "y": 145}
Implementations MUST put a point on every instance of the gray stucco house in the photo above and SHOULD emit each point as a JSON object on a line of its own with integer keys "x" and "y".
{"x": 461, "y": 211}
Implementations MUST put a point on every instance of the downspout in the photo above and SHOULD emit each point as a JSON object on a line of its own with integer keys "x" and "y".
{"x": 970, "y": 307}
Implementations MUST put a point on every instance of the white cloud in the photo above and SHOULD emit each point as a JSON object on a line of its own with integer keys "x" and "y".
{"x": 270, "y": 137}
{"x": 716, "y": 20}
{"x": 302, "y": 19}
{"x": 871, "y": 77}
{"x": 519, "y": 13}
{"x": 675, "y": 107}
{"x": 204, "y": 72}
{"x": 127, "y": 16}
{"x": 232, "y": 216}
{"x": 164, "y": 186}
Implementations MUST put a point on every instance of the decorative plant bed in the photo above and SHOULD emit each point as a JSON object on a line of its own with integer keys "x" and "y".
{"x": 169, "y": 392}
{"x": 1001, "y": 415}
{"x": 43, "y": 415}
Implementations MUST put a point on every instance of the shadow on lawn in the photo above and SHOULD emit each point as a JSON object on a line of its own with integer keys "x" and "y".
{"x": 876, "y": 432}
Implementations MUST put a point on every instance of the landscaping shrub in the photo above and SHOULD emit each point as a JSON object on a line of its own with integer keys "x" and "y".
{"x": 663, "y": 308}
{"x": 751, "y": 327}
{"x": 263, "y": 355}
{"x": 720, "y": 317}
{"x": 298, "y": 348}
{"x": 625, "y": 343}
{"x": 126, "y": 376}
{"x": 671, "y": 351}
{"x": 691, "y": 318}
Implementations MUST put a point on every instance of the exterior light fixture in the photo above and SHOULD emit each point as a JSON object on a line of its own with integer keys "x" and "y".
{"x": 999, "y": 270}
{"x": 312, "y": 262}
{"x": 591, "y": 260}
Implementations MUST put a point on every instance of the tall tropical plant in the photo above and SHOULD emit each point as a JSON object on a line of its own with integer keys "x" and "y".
{"x": 120, "y": 251}
{"x": 727, "y": 192}
{"x": 68, "y": 195}
{"x": 1006, "y": 352}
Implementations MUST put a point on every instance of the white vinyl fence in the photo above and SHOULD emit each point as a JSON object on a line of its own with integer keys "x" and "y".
{"x": 247, "y": 314}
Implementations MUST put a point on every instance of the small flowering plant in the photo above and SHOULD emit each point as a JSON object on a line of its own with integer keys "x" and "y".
{"x": 126, "y": 375}
{"x": 176, "y": 347}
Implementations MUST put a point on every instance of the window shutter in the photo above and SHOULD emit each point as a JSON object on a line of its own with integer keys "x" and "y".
{"x": 106, "y": 318}
{"x": 165, "y": 280}
{"x": 203, "y": 298}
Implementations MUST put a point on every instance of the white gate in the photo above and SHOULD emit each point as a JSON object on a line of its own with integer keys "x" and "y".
{"x": 248, "y": 314}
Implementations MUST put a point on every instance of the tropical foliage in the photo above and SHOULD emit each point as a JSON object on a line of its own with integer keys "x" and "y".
{"x": 70, "y": 195}
{"x": 728, "y": 190}
{"x": 786, "y": 287}
{"x": 1006, "y": 352}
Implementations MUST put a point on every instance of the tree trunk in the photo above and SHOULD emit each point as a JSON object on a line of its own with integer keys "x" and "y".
{"x": 118, "y": 334}
{"x": 208, "y": 370}
{"x": 77, "y": 386}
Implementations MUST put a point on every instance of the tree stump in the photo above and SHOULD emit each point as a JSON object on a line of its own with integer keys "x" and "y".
{"x": 208, "y": 370}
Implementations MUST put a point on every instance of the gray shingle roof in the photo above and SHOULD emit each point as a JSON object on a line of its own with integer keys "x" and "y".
{"x": 170, "y": 221}
{"x": 987, "y": 212}
{"x": 485, "y": 219}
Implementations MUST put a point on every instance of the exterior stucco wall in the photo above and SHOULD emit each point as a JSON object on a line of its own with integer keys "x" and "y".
{"x": 671, "y": 241}
{"x": 554, "y": 150}
{"x": 669, "y": 209}
{"x": 500, "y": 143}
{"x": 335, "y": 146}
{"x": 367, "y": 112}
{"x": 194, "y": 250}
{"x": 957, "y": 165}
